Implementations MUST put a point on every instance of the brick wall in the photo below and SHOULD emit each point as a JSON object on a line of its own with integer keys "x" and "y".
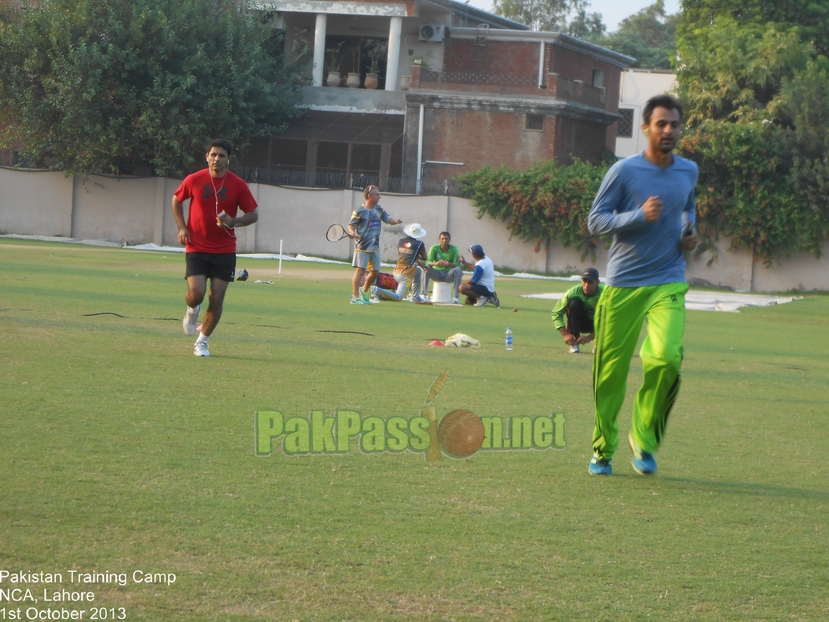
{"x": 574, "y": 66}
{"x": 576, "y": 91}
{"x": 477, "y": 138}
{"x": 502, "y": 57}
{"x": 578, "y": 139}
{"x": 481, "y": 120}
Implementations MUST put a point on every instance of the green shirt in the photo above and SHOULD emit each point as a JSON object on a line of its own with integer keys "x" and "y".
{"x": 451, "y": 255}
{"x": 560, "y": 310}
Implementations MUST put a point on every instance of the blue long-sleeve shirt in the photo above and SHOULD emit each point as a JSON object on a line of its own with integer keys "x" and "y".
{"x": 644, "y": 253}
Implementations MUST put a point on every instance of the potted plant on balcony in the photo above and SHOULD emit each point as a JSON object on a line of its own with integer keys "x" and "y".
{"x": 333, "y": 60}
{"x": 353, "y": 81}
{"x": 422, "y": 62}
{"x": 377, "y": 52}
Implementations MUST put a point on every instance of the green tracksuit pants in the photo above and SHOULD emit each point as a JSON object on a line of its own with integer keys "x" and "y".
{"x": 619, "y": 318}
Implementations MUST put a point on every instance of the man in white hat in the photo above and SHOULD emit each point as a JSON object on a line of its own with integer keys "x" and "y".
{"x": 410, "y": 253}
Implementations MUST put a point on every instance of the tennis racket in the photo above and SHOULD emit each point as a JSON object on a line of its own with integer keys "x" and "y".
{"x": 336, "y": 233}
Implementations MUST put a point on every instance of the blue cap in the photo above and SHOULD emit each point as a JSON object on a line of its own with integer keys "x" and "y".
{"x": 477, "y": 249}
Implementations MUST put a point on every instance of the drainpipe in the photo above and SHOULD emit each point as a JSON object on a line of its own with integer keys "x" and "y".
{"x": 541, "y": 67}
{"x": 420, "y": 150}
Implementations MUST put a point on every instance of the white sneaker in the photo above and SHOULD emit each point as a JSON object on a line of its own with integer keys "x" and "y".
{"x": 574, "y": 349}
{"x": 200, "y": 349}
{"x": 191, "y": 318}
{"x": 455, "y": 301}
{"x": 482, "y": 301}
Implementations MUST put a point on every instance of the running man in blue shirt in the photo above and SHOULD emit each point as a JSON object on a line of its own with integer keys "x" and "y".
{"x": 647, "y": 203}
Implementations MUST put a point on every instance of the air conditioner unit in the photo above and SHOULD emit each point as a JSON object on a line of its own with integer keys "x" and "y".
{"x": 430, "y": 32}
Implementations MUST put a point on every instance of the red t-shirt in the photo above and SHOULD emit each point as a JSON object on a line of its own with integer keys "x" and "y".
{"x": 209, "y": 197}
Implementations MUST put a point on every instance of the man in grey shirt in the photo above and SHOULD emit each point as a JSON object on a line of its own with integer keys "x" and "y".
{"x": 364, "y": 226}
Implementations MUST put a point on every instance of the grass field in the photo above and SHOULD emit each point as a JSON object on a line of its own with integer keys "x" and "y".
{"x": 121, "y": 452}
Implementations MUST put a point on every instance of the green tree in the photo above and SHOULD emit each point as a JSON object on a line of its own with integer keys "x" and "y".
{"x": 745, "y": 189}
{"x": 735, "y": 70}
{"x": 812, "y": 16}
{"x": 649, "y": 36}
{"x": 757, "y": 113}
{"x": 541, "y": 15}
{"x": 543, "y": 203}
{"x": 586, "y": 25}
{"x": 139, "y": 86}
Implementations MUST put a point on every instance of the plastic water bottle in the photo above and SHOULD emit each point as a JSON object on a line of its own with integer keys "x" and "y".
{"x": 509, "y": 338}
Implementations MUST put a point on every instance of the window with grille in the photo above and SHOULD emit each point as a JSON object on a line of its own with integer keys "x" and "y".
{"x": 625, "y": 127}
{"x": 534, "y": 122}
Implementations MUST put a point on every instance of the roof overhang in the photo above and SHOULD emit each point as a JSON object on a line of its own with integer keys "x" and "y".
{"x": 551, "y": 38}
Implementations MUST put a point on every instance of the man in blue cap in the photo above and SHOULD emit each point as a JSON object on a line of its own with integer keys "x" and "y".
{"x": 480, "y": 289}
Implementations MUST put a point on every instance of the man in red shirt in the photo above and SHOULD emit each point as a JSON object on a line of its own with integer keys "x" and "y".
{"x": 216, "y": 196}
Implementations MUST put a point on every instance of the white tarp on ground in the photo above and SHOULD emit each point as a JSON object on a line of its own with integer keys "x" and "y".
{"x": 712, "y": 301}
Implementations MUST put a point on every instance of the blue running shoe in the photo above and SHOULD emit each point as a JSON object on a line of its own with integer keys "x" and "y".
{"x": 643, "y": 462}
{"x": 599, "y": 466}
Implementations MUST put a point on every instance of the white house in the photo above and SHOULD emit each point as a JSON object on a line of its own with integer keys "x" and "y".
{"x": 638, "y": 86}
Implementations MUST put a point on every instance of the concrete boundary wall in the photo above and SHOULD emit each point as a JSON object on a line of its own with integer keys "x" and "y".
{"x": 36, "y": 203}
{"x": 138, "y": 211}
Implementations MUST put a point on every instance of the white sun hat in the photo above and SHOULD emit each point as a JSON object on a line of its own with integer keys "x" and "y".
{"x": 414, "y": 230}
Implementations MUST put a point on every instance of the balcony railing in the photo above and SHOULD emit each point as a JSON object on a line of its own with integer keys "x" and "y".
{"x": 478, "y": 79}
